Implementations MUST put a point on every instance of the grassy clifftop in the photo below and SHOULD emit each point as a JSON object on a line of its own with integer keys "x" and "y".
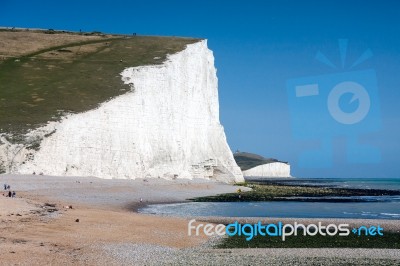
{"x": 44, "y": 74}
{"x": 246, "y": 160}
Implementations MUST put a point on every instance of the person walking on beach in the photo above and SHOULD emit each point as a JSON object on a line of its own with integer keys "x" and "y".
{"x": 13, "y": 194}
{"x": 9, "y": 194}
{"x": 5, "y": 186}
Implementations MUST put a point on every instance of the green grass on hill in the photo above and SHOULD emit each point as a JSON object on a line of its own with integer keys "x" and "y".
{"x": 247, "y": 160}
{"x": 41, "y": 86}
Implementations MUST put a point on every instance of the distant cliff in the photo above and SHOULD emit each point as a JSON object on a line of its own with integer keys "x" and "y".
{"x": 256, "y": 165}
{"x": 166, "y": 126}
{"x": 276, "y": 169}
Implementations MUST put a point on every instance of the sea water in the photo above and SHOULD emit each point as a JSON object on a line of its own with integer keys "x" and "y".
{"x": 360, "y": 183}
{"x": 382, "y": 207}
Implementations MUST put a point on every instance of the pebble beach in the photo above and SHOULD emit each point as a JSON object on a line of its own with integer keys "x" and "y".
{"x": 38, "y": 227}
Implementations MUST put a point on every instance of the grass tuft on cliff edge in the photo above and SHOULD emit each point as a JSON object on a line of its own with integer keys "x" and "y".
{"x": 43, "y": 76}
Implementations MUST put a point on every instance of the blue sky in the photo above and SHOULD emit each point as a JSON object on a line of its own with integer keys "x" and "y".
{"x": 259, "y": 46}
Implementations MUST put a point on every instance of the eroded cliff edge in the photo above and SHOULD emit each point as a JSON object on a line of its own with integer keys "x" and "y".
{"x": 275, "y": 169}
{"x": 167, "y": 126}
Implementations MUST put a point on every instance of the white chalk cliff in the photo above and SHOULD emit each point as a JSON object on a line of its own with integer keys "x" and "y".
{"x": 167, "y": 126}
{"x": 276, "y": 169}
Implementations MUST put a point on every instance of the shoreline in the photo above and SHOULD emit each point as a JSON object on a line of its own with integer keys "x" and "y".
{"x": 108, "y": 228}
{"x": 282, "y": 190}
{"x": 135, "y": 206}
